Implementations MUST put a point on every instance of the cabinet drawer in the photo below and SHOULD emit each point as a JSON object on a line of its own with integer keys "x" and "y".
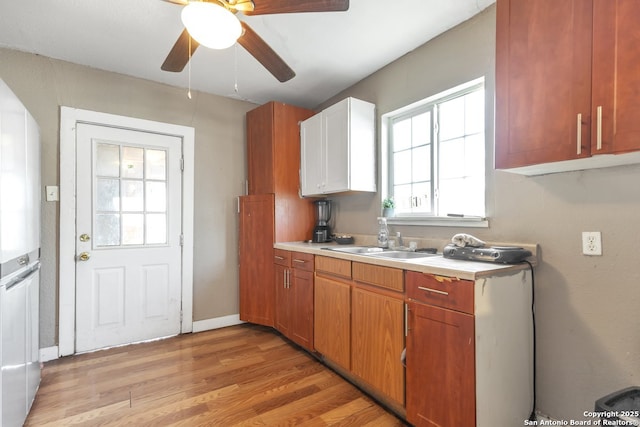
{"x": 302, "y": 261}
{"x": 441, "y": 291}
{"x": 281, "y": 257}
{"x": 386, "y": 277}
{"x": 335, "y": 266}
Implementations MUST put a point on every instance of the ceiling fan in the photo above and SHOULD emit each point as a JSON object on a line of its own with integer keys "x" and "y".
{"x": 197, "y": 10}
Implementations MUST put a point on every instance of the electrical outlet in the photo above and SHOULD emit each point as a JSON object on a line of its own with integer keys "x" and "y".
{"x": 591, "y": 243}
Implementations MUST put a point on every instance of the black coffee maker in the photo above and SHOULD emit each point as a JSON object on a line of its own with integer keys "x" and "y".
{"x": 322, "y": 232}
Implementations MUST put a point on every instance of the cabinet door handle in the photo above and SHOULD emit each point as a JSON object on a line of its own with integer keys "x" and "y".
{"x": 279, "y": 257}
{"x": 579, "y": 133}
{"x": 435, "y": 291}
{"x": 299, "y": 261}
{"x": 288, "y": 278}
{"x": 599, "y": 127}
{"x": 406, "y": 320}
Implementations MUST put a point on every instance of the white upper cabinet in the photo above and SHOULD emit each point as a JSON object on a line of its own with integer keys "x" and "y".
{"x": 338, "y": 149}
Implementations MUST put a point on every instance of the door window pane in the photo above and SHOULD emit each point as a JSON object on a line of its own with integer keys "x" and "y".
{"x": 108, "y": 197}
{"x": 156, "y": 164}
{"x": 156, "y": 228}
{"x": 108, "y": 160}
{"x": 156, "y": 196}
{"x": 132, "y": 229}
{"x": 107, "y": 230}
{"x": 132, "y": 162}
{"x": 132, "y": 196}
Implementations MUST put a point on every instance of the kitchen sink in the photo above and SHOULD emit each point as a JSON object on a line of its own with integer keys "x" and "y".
{"x": 381, "y": 253}
{"x": 401, "y": 255}
{"x": 362, "y": 250}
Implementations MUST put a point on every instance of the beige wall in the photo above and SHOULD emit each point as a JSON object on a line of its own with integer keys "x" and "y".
{"x": 44, "y": 85}
{"x": 587, "y": 307}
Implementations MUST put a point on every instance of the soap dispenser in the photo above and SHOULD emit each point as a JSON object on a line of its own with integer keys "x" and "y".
{"x": 383, "y": 233}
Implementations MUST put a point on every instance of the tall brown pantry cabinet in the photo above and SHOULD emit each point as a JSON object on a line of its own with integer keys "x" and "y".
{"x": 273, "y": 211}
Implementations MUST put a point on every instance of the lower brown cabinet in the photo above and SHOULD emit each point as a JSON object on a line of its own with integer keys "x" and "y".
{"x": 332, "y": 310}
{"x": 377, "y": 341}
{"x": 294, "y": 296}
{"x": 440, "y": 360}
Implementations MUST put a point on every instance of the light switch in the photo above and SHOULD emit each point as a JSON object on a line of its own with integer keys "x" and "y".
{"x": 52, "y": 193}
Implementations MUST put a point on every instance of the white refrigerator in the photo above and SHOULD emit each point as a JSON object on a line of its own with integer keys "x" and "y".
{"x": 19, "y": 258}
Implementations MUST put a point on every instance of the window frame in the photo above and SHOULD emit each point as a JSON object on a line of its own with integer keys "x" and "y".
{"x": 414, "y": 109}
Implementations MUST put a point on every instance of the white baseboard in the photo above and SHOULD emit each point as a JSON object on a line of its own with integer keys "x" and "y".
{"x": 48, "y": 353}
{"x": 52, "y": 353}
{"x": 216, "y": 323}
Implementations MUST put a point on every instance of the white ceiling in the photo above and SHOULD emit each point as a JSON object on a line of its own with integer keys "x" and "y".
{"x": 329, "y": 51}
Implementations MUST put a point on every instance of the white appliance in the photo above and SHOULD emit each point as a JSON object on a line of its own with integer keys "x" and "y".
{"x": 19, "y": 258}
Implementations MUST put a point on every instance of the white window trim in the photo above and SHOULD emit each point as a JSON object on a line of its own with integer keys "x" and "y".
{"x": 69, "y": 117}
{"x": 436, "y": 221}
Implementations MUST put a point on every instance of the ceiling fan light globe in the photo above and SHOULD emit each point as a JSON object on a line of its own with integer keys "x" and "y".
{"x": 211, "y": 25}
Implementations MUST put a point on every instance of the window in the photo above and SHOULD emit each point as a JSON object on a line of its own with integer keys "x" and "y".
{"x": 436, "y": 155}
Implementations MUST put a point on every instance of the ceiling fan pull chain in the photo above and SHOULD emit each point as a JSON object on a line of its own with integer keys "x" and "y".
{"x": 235, "y": 66}
{"x": 189, "y": 70}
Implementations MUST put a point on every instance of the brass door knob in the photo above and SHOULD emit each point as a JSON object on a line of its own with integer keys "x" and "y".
{"x": 84, "y": 256}
{"x": 84, "y": 237}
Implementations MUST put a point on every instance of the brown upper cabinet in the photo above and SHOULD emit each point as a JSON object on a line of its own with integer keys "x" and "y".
{"x": 566, "y": 84}
{"x": 273, "y": 162}
{"x": 273, "y": 148}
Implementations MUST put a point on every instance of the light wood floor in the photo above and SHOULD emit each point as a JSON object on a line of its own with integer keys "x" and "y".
{"x": 241, "y": 375}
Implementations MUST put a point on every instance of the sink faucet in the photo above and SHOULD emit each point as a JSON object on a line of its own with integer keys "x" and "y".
{"x": 399, "y": 239}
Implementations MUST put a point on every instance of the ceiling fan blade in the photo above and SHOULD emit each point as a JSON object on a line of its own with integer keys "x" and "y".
{"x": 260, "y": 50}
{"x": 181, "y": 2}
{"x": 179, "y": 54}
{"x": 266, "y": 7}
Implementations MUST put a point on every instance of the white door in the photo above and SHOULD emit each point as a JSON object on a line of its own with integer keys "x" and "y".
{"x": 128, "y": 236}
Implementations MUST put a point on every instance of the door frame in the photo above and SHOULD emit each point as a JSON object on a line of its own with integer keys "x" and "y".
{"x": 69, "y": 117}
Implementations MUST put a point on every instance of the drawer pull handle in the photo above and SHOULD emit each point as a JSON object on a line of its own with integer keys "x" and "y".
{"x": 279, "y": 257}
{"x": 301, "y": 261}
{"x": 435, "y": 291}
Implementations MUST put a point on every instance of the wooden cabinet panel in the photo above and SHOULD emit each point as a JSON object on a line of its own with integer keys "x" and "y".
{"x": 260, "y": 149}
{"x": 302, "y": 261}
{"x": 543, "y": 81}
{"x": 332, "y": 320}
{"x": 294, "y": 296}
{"x": 386, "y": 277}
{"x": 282, "y": 257}
{"x": 273, "y": 148}
{"x": 446, "y": 292}
{"x": 440, "y": 367}
{"x": 256, "y": 274}
{"x": 333, "y": 266}
{"x": 616, "y": 80}
{"x": 283, "y": 300}
{"x": 377, "y": 341}
{"x": 301, "y": 325}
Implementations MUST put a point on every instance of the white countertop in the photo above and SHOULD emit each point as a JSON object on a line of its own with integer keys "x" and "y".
{"x": 470, "y": 270}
